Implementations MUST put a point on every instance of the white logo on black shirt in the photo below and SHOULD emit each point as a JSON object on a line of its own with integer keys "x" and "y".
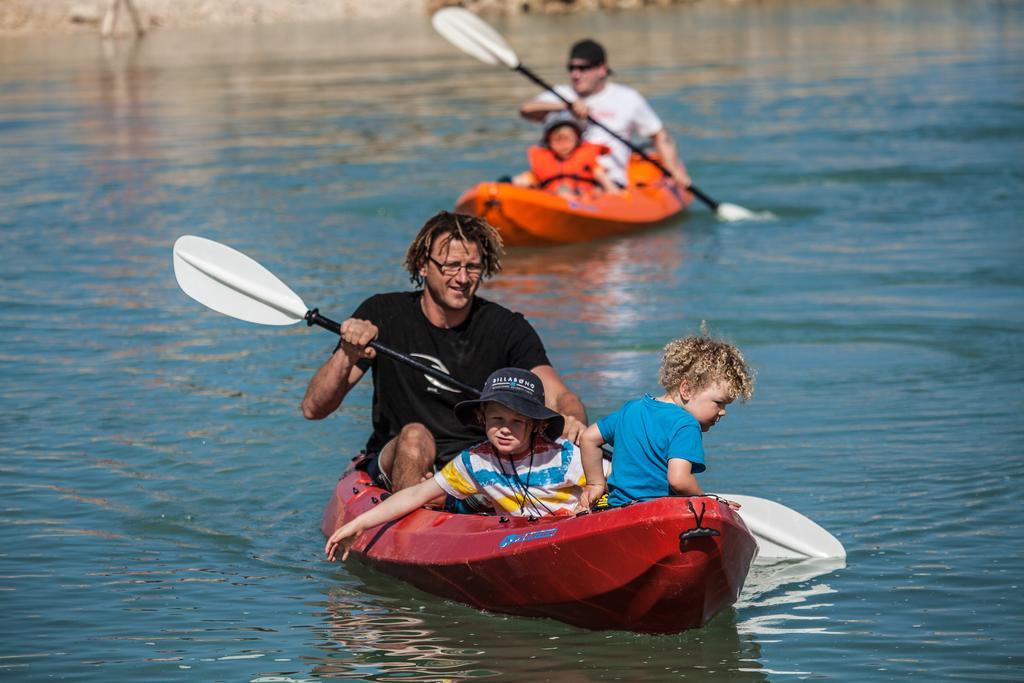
{"x": 435, "y": 384}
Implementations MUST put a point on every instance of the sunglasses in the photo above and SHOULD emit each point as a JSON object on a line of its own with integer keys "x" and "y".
{"x": 585, "y": 66}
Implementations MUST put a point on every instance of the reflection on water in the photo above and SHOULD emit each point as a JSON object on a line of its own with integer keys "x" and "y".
{"x": 615, "y": 303}
{"x": 608, "y": 286}
{"x": 378, "y": 644}
{"x": 788, "y": 585}
{"x": 424, "y": 639}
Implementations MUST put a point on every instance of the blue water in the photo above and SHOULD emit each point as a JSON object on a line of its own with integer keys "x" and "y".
{"x": 162, "y": 493}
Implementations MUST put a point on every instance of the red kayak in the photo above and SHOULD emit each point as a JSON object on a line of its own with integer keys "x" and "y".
{"x": 660, "y": 566}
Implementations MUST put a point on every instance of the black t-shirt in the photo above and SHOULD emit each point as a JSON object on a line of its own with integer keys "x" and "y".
{"x": 491, "y": 338}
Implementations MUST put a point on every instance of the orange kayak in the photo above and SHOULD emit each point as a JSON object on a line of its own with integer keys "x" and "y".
{"x": 531, "y": 217}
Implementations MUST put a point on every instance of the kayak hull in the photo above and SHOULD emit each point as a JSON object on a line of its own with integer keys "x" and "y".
{"x": 623, "y": 569}
{"x": 532, "y": 217}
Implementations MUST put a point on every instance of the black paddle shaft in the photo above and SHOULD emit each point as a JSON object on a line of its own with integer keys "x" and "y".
{"x": 661, "y": 167}
{"x": 313, "y": 317}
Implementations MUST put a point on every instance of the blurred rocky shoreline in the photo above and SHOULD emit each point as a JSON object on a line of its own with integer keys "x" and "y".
{"x": 76, "y": 16}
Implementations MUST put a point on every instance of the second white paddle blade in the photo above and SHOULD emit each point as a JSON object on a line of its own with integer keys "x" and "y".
{"x": 784, "y": 533}
{"x": 474, "y": 36}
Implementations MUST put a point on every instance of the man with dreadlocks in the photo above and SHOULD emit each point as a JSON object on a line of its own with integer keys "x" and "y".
{"x": 446, "y": 325}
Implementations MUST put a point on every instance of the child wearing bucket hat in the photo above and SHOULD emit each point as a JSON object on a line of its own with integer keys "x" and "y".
{"x": 523, "y": 468}
{"x": 563, "y": 163}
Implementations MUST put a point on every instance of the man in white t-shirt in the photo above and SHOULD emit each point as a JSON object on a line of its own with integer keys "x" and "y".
{"x": 616, "y": 106}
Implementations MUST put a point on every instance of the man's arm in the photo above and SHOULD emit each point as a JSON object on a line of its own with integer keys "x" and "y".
{"x": 559, "y": 398}
{"x": 330, "y": 385}
{"x": 340, "y": 373}
{"x": 666, "y": 148}
{"x": 537, "y": 110}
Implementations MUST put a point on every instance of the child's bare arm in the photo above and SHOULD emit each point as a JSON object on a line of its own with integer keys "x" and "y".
{"x": 593, "y": 466}
{"x": 524, "y": 179}
{"x": 605, "y": 181}
{"x": 681, "y": 479}
{"x": 396, "y": 505}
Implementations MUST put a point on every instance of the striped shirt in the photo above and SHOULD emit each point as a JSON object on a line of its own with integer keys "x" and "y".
{"x": 548, "y": 481}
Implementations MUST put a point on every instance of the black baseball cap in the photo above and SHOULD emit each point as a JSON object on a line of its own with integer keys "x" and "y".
{"x": 590, "y": 51}
{"x": 516, "y": 389}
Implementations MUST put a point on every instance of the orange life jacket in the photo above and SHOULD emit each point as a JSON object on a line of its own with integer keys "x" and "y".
{"x": 576, "y": 172}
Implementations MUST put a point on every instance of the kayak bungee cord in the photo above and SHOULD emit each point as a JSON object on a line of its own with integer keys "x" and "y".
{"x": 699, "y": 530}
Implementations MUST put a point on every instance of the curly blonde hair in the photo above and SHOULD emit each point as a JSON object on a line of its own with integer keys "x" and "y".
{"x": 461, "y": 227}
{"x": 701, "y": 361}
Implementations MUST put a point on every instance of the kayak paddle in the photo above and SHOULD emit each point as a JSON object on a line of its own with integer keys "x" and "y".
{"x": 475, "y": 37}
{"x": 231, "y": 283}
{"x": 783, "y": 533}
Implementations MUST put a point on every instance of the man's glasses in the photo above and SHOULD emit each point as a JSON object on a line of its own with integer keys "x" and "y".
{"x": 586, "y": 66}
{"x": 473, "y": 270}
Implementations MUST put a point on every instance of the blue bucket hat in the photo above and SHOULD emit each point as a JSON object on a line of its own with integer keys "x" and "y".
{"x": 516, "y": 389}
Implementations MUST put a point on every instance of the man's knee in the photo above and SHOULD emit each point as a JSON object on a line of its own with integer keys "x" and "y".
{"x": 413, "y": 456}
{"x": 415, "y": 441}
{"x": 414, "y": 446}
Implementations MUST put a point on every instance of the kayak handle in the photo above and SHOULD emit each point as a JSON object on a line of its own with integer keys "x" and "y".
{"x": 698, "y": 531}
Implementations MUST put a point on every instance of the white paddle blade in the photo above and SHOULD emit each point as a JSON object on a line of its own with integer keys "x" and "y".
{"x": 231, "y": 283}
{"x": 783, "y": 533}
{"x": 734, "y": 212}
{"x": 474, "y": 36}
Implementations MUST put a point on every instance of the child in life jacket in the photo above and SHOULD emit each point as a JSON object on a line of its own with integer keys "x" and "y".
{"x": 563, "y": 163}
{"x": 524, "y": 468}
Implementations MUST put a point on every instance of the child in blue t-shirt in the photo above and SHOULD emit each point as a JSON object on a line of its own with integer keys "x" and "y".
{"x": 658, "y": 441}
